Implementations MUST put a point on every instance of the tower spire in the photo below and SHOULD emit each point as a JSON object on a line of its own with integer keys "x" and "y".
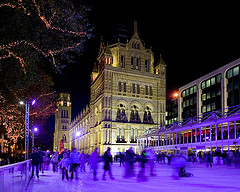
{"x": 135, "y": 27}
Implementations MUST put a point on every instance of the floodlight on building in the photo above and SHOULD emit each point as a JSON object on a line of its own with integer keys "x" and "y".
{"x": 78, "y": 133}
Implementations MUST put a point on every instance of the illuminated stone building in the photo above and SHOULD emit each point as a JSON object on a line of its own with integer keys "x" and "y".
{"x": 128, "y": 95}
{"x": 62, "y": 121}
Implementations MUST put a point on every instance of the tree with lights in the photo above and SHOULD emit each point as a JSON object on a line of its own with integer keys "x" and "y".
{"x": 35, "y": 36}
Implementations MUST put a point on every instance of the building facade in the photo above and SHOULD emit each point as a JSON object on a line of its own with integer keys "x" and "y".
{"x": 208, "y": 116}
{"x": 128, "y": 96}
{"x": 216, "y": 90}
{"x": 62, "y": 121}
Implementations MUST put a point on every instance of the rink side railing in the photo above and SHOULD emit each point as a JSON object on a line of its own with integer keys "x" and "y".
{"x": 15, "y": 177}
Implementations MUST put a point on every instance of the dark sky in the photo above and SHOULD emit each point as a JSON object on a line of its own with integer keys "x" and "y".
{"x": 194, "y": 38}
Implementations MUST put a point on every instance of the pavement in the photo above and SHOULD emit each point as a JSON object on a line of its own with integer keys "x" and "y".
{"x": 221, "y": 178}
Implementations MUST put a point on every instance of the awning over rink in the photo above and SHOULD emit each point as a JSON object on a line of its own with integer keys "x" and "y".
{"x": 214, "y": 117}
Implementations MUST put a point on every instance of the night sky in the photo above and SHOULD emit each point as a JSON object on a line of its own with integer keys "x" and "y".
{"x": 193, "y": 38}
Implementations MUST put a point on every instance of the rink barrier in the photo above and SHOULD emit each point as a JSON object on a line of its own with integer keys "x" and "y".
{"x": 15, "y": 177}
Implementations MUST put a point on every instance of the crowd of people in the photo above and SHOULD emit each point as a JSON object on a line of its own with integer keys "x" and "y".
{"x": 70, "y": 162}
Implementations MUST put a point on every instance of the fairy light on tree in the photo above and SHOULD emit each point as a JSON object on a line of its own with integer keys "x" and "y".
{"x": 35, "y": 36}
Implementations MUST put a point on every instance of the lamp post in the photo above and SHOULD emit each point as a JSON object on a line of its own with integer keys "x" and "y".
{"x": 35, "y": 129}
{"x": 27, "y": 105}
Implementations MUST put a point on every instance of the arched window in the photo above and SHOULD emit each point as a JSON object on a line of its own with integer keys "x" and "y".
{"x": 121, "y": 114}
{"x": 133, "y": 45}
{"x": 147, "y": 116}
{"x": 132, "y": 62}
{"x": 134, "y": 115}
{"x": 138, "y": 63}
{"x": 64, "y": 138}
{"x": 122, "y": 61}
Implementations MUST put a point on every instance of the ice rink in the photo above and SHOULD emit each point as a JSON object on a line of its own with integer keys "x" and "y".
{"x": 219, "y": 178}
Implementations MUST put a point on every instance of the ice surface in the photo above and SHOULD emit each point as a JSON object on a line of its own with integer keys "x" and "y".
{"x": 208, "y": 179}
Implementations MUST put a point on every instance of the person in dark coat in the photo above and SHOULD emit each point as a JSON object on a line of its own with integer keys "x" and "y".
{"x": 141, "y": 176}
{"x": 35, "y": 161}
{"x": 129, "y": 172}
{"x": 209, "y": 159}
{"x": 41, "y": 155}
{"x": 107, "y": 160}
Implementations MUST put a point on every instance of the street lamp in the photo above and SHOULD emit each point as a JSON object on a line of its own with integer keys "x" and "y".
{"x": 175, "y": 95}
{"x": 27, "y": 105}
{"x": 35, "y": 129}
{"x": 77, "y": 135}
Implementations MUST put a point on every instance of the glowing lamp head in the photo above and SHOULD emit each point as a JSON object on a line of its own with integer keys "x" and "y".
{"x": 78, "y": 133}
{"x": 176, "y": 94}
{"x": 35, "y": 129}
{"x": 33, "y": 101}
{"x": 21, "y": 103}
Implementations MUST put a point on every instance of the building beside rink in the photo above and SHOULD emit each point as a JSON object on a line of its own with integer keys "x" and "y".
{"x": 208, "y": 116}
{"x": 216, "y": 130}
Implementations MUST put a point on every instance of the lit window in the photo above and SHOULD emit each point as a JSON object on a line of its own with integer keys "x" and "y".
{"x": 191, "y": 90}
{"x": 203, "y": 85}
{"x": 218, "y": 78}
{"x": 214, "y": 106}
{"x": 183, "y": 94}
{"x": 195, "y": 89}
{"x": 208, "y": 95}
{"x": 213, "y": 81}
{"x": 229, "y": 73}
{"x": 204, "y": 109}
{"x": 208, "y": 83}
{"x": 235, "y": 70}
{"x": 208, "y": 107}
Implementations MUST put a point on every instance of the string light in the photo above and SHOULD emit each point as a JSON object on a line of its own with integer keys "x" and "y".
{"x": 48, "y": 25}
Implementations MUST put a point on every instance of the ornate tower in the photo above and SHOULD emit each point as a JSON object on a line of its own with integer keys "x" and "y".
{"x": 62, "y": 121}
{"x": 128, "y": 97}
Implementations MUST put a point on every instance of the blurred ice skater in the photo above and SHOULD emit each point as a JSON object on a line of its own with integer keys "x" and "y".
{"x": 107, "y": 160}
{"x": 93, "y": 160}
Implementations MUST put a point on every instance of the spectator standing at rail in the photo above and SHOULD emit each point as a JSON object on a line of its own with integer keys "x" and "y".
{"x": 35, "y": 162}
